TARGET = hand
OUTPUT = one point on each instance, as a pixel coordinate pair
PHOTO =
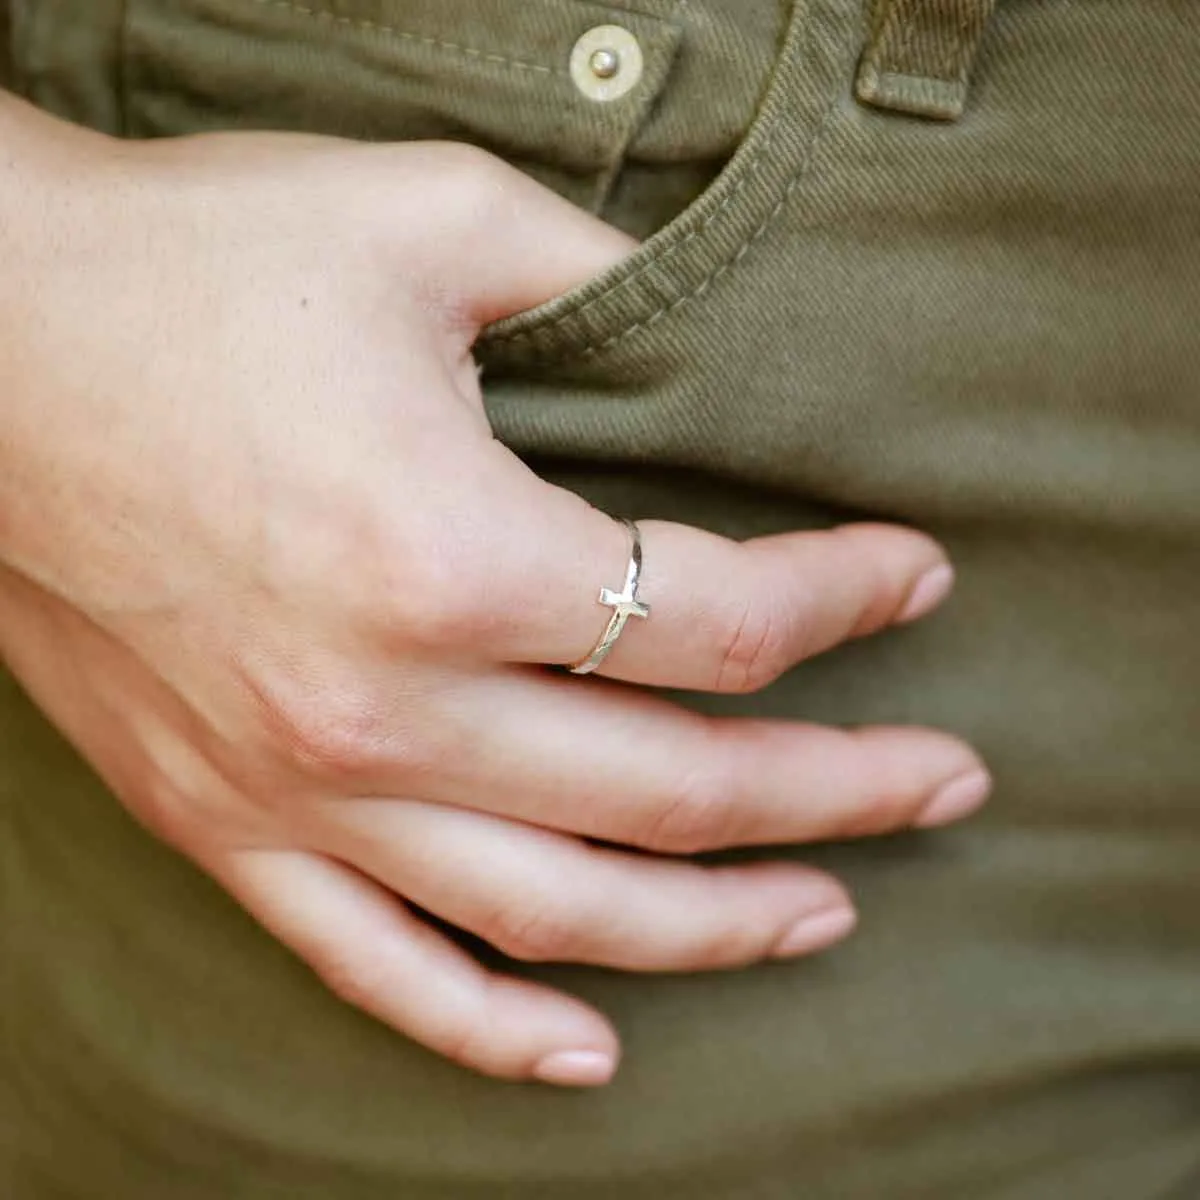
(268, 569)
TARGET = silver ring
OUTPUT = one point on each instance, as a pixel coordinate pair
(625, 604)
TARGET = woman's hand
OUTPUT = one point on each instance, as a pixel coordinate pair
(267, 568)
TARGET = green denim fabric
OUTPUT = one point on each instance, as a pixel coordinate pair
(491, 72)
(987, 328)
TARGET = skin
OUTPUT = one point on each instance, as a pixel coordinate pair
(264, 564)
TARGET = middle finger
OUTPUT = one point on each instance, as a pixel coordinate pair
(605, 761)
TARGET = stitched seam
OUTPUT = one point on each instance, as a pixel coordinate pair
(887, 79)
(603, 186)
(403, 35)
(723, 268)
(751, 170)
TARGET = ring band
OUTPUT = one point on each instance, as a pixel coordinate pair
(625, 604)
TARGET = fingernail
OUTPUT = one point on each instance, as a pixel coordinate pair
(928, 592)
(957, 799)
(576, 1068)
(816, 931)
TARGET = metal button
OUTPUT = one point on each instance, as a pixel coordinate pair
(607, 63)
(604, 63)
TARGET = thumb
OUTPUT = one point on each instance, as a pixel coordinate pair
(505, 243)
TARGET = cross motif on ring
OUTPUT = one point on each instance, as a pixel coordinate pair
(624, 604)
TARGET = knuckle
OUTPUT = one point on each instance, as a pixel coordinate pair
(473, 185)
(536, 931)
(877, 813)
(755, 651)
(878, 558)
(880, 806)
(881, 599)
(358, 980)
(462, 1042)
(334, 736)
(697, 815)
(327, 731)
(185, 818)
(736, 946)
(465, 163)
(474, 1035)
(889, 793)
(439, 619)
(459, 1032)
(161, 807)
(431, 599)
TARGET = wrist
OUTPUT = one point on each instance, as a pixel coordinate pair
(50, 194)
(48, 172)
